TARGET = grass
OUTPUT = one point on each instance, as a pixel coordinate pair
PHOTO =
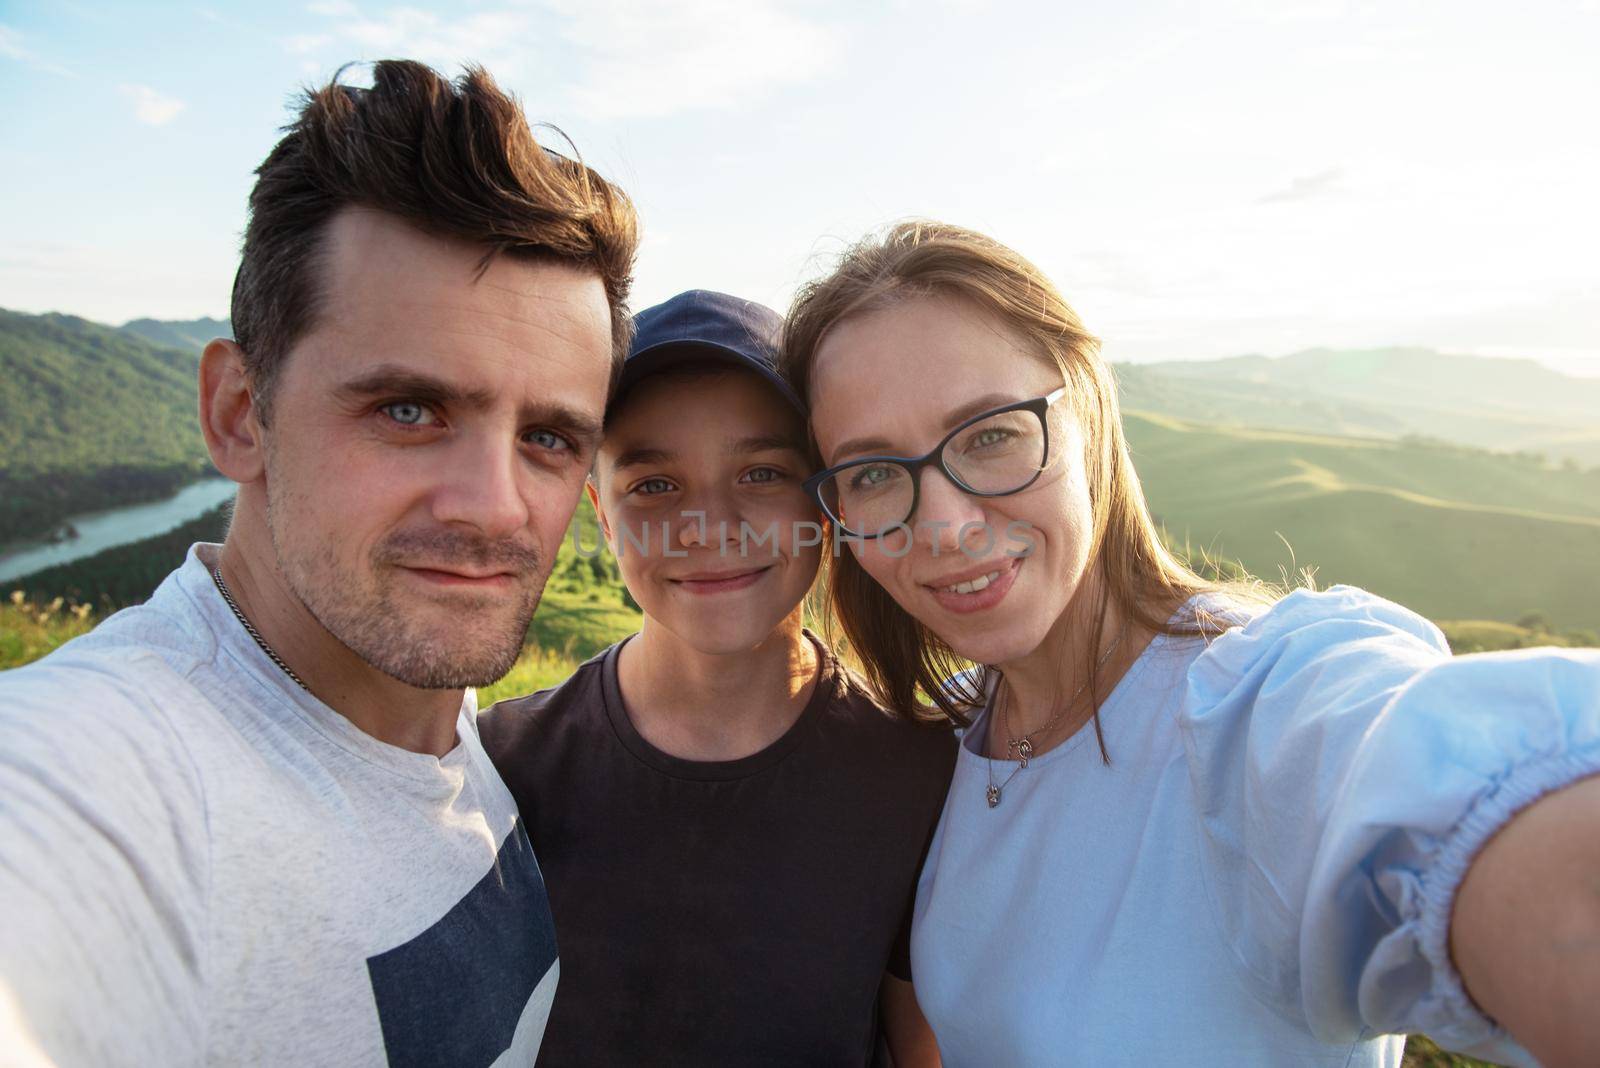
(536, 669)
(1451, 533)
(577, 623)
(1488, 636)
(29, 630)
(1421, 1052)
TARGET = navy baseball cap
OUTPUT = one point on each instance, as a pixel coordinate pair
(703, 325)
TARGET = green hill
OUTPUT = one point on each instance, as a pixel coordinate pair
(90, 418)
(179, 334)
(1502, 404)
(1453, 533)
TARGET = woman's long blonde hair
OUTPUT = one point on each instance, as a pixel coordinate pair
(906, 663)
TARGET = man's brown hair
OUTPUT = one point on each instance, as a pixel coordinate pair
(455, 159)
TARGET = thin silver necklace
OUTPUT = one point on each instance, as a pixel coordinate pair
(222, 588)
(1023, 746)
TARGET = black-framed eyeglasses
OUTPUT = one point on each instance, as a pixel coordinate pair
(993, 454)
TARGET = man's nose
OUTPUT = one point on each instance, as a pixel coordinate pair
(483, 486)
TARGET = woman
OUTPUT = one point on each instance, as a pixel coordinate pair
(1183, 827)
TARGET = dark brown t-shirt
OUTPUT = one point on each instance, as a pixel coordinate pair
(721, 913)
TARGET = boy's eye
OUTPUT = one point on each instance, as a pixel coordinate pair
(409, 413)
(651, 486)
(763, 475)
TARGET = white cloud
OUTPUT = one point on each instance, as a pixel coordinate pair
(11, 47)
(705, 54)
(500, 39)
(304, 43)
(1306, 187)
(151, 107)
(1131, 66)
(333, 9)
(630, 60)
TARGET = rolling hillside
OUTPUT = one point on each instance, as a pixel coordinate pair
(90, 418)
(1501, 404)
(1453, 533)
(179, 334)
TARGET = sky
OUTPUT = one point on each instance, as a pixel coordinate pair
(1199, 179)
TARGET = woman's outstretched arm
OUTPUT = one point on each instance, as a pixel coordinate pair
(1525, 934)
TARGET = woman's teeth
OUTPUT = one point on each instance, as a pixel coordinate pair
(973, 586)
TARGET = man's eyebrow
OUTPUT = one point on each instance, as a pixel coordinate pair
(415, 385)
(585, 430)
(388, 380)
(953, 418)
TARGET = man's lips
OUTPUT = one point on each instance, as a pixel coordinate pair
(719, 581)
(462, 578)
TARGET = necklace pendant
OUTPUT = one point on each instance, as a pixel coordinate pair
(1024, 750)
(993, 794)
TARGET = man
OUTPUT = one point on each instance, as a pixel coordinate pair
(251, 821)
(730, 829)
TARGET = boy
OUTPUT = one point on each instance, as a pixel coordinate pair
(729, 829)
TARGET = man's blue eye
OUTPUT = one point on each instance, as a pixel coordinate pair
(405, 413)
(548, 439)
(764, 474)
(651, 486)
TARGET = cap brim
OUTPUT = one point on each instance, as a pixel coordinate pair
(669, 354)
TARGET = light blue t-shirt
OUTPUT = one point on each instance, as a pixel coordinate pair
(1263, 873)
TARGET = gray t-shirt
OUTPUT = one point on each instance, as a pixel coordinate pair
(202, 863)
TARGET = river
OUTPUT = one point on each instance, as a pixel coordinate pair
(102, 530)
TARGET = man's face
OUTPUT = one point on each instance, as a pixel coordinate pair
(428, 442)
(700, 484)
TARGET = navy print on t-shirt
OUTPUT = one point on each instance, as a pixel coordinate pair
(453, 994)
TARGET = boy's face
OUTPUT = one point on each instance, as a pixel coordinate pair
(699, 492)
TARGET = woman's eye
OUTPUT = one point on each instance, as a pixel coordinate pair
(988, 437)
(869, 476)
(549, 439)
(408, 413)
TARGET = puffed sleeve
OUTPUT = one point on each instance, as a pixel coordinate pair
(1346, 771)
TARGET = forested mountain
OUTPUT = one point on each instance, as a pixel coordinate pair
(1503, 404)
(179, 334)
(90, 417)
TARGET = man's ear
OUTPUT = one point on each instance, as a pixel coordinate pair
(228, 416)
(593, 490)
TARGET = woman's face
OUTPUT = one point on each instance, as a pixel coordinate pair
(895, 382)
